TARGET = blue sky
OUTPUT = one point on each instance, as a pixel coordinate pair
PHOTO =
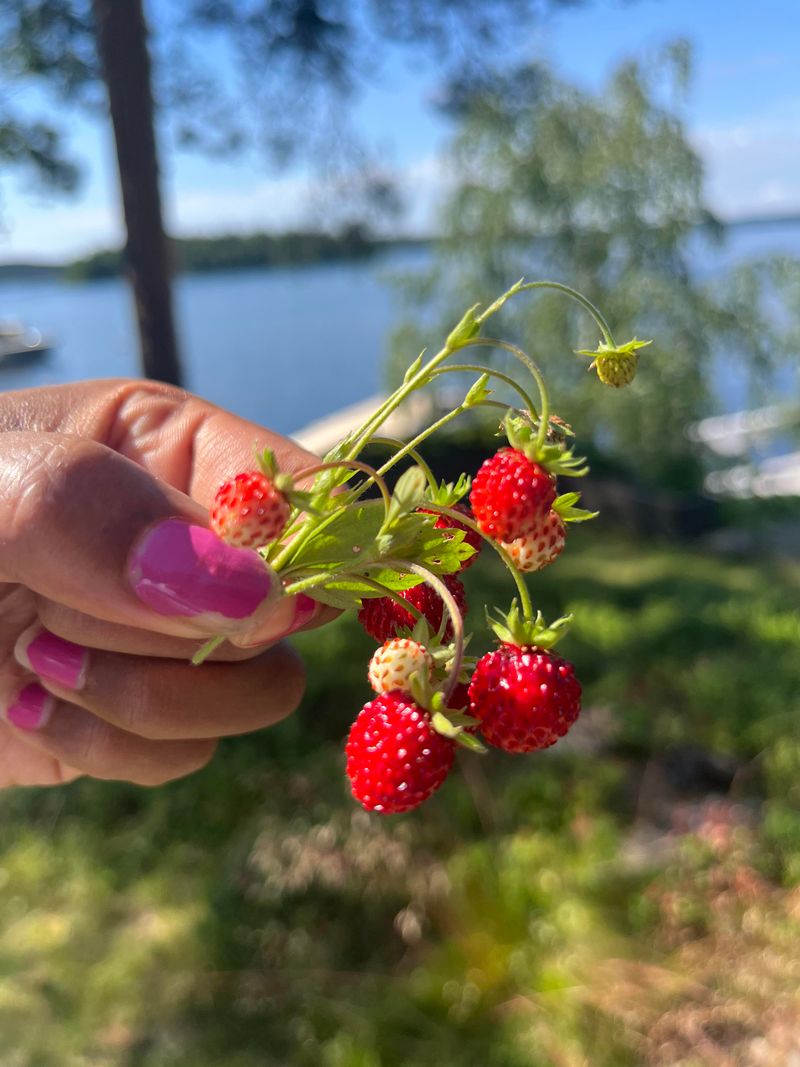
(743, 116)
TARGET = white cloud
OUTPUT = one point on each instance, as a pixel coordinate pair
(752, 165)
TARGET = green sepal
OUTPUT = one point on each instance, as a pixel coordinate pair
(605, 350)
(564, 506)
(445, 726)
(500, 301)
(413, 368)
(513, 629)
(448, 493)
(267, 464)
(554, 457)
(467, 328)
(478, 392)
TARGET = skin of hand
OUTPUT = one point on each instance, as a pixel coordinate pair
(110, 580)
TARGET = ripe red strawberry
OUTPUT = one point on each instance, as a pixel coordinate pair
(540, 546)
(526, 698)
(446, 522)
(249, 511)
(395, 661)
(395, 759)
(509, 493)
(382, 617)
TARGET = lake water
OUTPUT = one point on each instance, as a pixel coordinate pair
(282, 347)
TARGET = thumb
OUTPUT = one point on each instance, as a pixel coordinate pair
(88, 528)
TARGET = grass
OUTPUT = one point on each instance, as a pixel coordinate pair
(629, 897)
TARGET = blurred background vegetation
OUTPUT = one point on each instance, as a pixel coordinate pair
(631, 897)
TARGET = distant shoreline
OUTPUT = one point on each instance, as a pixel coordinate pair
(198, 255)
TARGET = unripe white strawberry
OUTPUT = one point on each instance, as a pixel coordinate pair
(392, 665)
(541, 546)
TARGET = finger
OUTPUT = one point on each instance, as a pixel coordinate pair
(162, 698)
(82, 741)
(81, 525)
(185, 441)
(86, 630)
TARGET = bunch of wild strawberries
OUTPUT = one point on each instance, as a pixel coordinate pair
(396, 558)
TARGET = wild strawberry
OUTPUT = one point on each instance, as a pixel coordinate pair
(446, 522)
(395, 759)
(394, 662)
(382, 617)
(249, 511)
(526, 698)
(617, 370)
(509, 494)
(540, 546)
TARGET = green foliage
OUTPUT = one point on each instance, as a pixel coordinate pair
(605, 191)
(242, 252)
(252, 916)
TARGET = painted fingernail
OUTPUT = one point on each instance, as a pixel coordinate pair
(304, 611)
(55, 659)
(31, 708)
(183, 570)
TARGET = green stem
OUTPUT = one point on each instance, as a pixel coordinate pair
(533, 368)
(478, 369)
(455, 618)
(392, 442)
(466, 520)
(211, 646)
(316, 580)
(406, 449)
(356, 465)
(585, 303)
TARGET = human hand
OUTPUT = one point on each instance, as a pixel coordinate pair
(110, 580)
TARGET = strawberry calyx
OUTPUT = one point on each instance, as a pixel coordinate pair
(564, 506)
(512, 628)
(555, 457)
(615, 364)
(448, 494)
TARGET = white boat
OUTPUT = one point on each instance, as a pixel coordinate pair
(18, 341)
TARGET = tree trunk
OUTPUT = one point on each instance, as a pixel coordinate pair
(122, 44)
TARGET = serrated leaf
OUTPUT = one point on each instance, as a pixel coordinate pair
(349, 535)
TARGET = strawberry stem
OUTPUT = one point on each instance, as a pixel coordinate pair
(355, 465)
(466, 520)
(452, 610)
(202, 654)
(585, 303)
(529, 404)
(393, 442)
(319, 579)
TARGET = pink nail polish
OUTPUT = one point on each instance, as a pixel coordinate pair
(304, 612)
(31, 709)
(57, 660)
(184, 570)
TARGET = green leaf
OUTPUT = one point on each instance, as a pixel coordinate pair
(408, 495)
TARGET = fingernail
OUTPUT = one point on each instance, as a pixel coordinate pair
(184, 570)
(304, 611)
(54, 659)
(31, 709)
(292, 614)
